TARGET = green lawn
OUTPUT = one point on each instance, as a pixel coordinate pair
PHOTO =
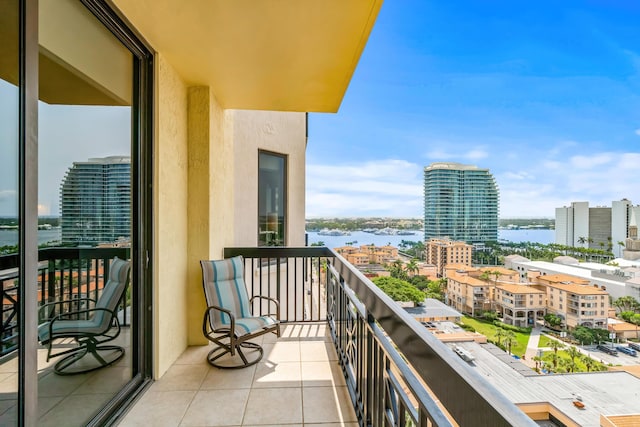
(489, 330)
(544, 341)
(580, 366)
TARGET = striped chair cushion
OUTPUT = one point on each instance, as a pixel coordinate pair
(224, 286)
(100, 321)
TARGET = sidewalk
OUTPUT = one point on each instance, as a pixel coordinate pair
(532, 347)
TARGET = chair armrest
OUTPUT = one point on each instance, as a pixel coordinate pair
(277, 313)
(207, 315)
(66, 301)
(75, 313)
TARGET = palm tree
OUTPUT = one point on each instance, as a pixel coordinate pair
(509, 340)
(538, 361)
(573, 354)
(582, 240)
(589, 363)
(555, 346)
(412, 267)
(621, 245)
(500, 333)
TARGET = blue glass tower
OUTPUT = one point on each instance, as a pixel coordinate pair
(460, 202)
(95, 199)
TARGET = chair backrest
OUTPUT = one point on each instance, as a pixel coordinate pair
(224, 287)
(112, 291)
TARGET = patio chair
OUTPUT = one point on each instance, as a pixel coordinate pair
(228, 321)
(90, 327)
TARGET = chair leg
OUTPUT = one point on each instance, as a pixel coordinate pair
(89, 346)
(218, 352)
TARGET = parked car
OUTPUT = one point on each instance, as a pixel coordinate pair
(627, 350)
(634, 346)
(607, 349)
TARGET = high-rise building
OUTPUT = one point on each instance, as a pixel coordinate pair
(460, 202)
(598, 227)
(95, 200)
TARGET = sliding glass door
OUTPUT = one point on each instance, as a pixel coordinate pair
(75, 122)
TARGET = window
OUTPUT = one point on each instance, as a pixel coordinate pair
(272, 199)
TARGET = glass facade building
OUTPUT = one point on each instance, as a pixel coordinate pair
(460, 202)
(95, 198)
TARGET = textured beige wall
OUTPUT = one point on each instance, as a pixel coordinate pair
(170, 217)
(279, 132)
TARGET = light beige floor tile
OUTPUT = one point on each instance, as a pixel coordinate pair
(159, 409)
(314, 351)
(345, 424)
(74, 410)
(283, 374)
(277, 406)
(282, 351)
(194, 355)
(106, 380)
(321, 374)
(10, 366)
(58, 385)
(181, 377)
(327, 405)
(228, 378)
(216, 408)
(273, 425)
(9, 386)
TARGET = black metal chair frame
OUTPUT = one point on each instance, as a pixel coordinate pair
(88, 342)
(229, 343)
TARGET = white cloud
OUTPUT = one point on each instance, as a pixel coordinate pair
(393, 187)
(462, 154)
(378, 188)
(637, 132)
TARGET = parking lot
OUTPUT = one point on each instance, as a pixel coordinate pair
(620, 359)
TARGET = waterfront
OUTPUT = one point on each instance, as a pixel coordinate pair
(363, 238)
(10, 237)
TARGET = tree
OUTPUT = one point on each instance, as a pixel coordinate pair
(509, 340)
(621, 245)
(573, 354)
(399, 290)
(583, 335)
(412, 267)
(538, 361)
(500, 333)
(555, 346)
(552, 320)
(627, 303)
(582, 240)
(635, 319)
(397, 270)
(589, 363)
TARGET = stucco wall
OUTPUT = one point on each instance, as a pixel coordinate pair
(170, 217)
(278, 132)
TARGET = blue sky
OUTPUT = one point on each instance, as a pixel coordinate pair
(545, 94)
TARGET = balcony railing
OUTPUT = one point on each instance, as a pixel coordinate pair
(387, 357)
(63, 274)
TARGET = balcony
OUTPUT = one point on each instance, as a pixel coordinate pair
(349, 355)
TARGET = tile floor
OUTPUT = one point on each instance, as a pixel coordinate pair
(298, 382)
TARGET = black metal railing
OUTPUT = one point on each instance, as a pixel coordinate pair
(64, 274)
(397, 373)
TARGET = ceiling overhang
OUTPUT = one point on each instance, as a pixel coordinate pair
(285, 55)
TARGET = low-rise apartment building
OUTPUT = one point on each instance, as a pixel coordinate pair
(468, 294)
(520, 305)
(575, 301)
(441, 252)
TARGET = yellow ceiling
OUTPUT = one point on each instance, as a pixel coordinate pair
(288, 55)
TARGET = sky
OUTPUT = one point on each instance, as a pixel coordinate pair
(544, 94)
